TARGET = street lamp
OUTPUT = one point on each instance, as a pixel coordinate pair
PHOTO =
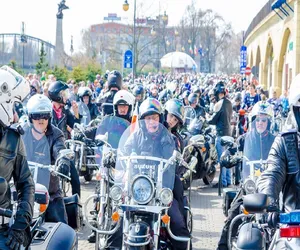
(126, 8)
(23, 43)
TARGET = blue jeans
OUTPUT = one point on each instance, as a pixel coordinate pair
(226, 173)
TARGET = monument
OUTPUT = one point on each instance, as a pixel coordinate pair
(59, 53)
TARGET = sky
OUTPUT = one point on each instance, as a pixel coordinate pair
(40, 15)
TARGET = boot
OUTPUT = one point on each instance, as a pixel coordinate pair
(92, 237)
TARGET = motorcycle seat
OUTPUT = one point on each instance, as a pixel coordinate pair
(227, 141)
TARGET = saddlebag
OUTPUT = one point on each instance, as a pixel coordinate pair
(73, 208)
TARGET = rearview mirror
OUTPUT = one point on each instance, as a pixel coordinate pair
(256, 203)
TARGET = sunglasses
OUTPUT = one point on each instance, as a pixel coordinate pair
(261, 119)
(40, 116)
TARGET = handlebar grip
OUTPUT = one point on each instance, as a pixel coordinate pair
(5, 212)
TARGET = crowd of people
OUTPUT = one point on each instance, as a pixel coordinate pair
(53, 107)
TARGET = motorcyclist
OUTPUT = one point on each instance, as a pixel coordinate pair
(262, 114)
(185, 96)
(38, 129)
(194, 102)
(85, 95)
(222, 119)
(138, 92)
(114, 84)
(282, 174)
(153, 91)
(61, 114)
(14, 88)
(159, 144)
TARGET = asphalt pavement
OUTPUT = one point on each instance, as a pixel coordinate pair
(206, 209)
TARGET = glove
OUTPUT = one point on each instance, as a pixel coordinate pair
(64, 167)
(16, 238)
(78, 136)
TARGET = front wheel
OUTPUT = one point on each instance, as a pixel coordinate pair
(209, 177)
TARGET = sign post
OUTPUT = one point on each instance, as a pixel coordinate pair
(243, 59)
(128, 60)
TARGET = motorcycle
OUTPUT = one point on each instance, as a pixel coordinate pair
(99, 215)
(142, 192)
(255, 152)
(200, 148)
(46, 235)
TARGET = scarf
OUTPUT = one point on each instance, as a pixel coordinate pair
(58, 112)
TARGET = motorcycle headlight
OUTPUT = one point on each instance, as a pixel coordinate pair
(115, 193)
(142, 189)
(166, 196)
(249, 186)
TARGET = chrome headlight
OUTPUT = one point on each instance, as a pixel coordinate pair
(115, 193)
(166, 196)
(142, 189)
(249, 186)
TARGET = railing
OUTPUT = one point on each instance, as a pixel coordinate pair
(262, 14)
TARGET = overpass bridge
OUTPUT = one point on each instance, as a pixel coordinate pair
(273, 44)
(24, 49)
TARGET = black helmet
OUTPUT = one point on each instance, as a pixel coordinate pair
(149, 107)
(55, 90)
(193, 98)
(138, 90)
(218, 89)
(114, 79)
(175, 107)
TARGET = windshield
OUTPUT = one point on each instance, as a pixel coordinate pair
(195, 126)
(190, 114)
(144, 156)
(257, 144)
(114, 127)
(85, 112)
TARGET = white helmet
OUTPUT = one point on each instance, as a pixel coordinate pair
(39, 104)
(294, 99)
(126, 98)
(13, 88)
(262, 108)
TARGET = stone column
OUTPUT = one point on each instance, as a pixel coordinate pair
(296, 35)
(261, 79)
(59, 44)
(274, 80)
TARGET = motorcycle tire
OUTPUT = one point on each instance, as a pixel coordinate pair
(208, 179)
(88, 177)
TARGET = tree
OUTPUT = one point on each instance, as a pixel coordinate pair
(42, 65)
(61, 74)
(92, 70)
(78, 74)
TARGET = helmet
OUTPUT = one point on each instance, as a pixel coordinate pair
(85, 91)
(13, 87)
(193, 98)
(138, 90)
(219, 88)
(126, 98)
(238, 97)
(114, 79)
(39, 105)
(294, 99)
(149, 107)
(55, 90)
(262, 108)
(175, 107)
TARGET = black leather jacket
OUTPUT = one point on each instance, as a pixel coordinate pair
(56, 140)
(105, 102)
(14, 164)
(67, 119)
(283, 173)
(94, 112)
(222, 117)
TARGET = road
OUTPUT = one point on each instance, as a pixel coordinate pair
(207, 212)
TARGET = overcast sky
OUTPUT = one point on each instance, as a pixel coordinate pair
(40, 15)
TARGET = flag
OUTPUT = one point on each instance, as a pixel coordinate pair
(134, 119)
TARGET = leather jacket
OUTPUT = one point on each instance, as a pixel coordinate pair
(94, 112)
(222, 117)
(56, 140)
(105, 102)
(67, 119)
(14, 164)
(282, 174)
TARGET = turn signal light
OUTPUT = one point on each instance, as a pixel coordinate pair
(245, 211)
(165, 219)
(115, 216)
(203, 149)
(43, 208)
(290, 232)
(98, 176)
